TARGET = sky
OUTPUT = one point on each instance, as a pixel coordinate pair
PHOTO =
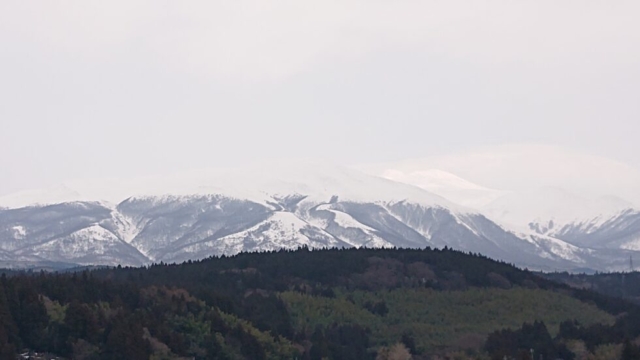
(131, 88)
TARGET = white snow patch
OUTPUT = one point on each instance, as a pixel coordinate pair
(347, 221)
(94, 240)
(282, 230)
(95, 233)
(464, 223)
(19, 232)
(126, 229)
(551, 247)
(632, 245)
(343, 219)
(280, 227)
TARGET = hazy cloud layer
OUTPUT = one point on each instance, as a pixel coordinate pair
(93, 88)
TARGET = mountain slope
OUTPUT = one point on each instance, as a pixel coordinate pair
(576, 206)
(226, 212)
(605, 222)
(446, 184)
(175, 229)
(69, 232)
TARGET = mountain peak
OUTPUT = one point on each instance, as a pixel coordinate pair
(53, 195)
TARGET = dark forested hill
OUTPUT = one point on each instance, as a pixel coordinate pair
(621, 285)
(334, 304)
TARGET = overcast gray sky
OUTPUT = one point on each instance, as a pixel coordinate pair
(128, 88)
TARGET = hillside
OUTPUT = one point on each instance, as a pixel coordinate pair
(621, 285)
(338, 304)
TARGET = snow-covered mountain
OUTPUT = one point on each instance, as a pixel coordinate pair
(446, 184)
(614, 230)
(74, 232)
(524, 167)
(54, 195)
(199, 214)
(543, 191)
(547, 210)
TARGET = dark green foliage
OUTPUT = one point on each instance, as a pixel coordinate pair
(377, 308)
(409, 341)
(630, 351)
(81, 321)
(532, 340)
(348, 342)
(9, 339)
(441, 318)
(131, 322)
(268, 313)
(124, 340)
(250, 346)
(337, 304)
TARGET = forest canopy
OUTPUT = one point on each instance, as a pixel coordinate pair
(334, 304)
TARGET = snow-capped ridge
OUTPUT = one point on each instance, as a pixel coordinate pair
(446, 184)
(196, 214)
(550, 208)
(261, 184)
(40, 197)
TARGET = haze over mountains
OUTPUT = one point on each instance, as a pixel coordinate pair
(536, 206)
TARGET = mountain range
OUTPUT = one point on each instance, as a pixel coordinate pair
(199, 214)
